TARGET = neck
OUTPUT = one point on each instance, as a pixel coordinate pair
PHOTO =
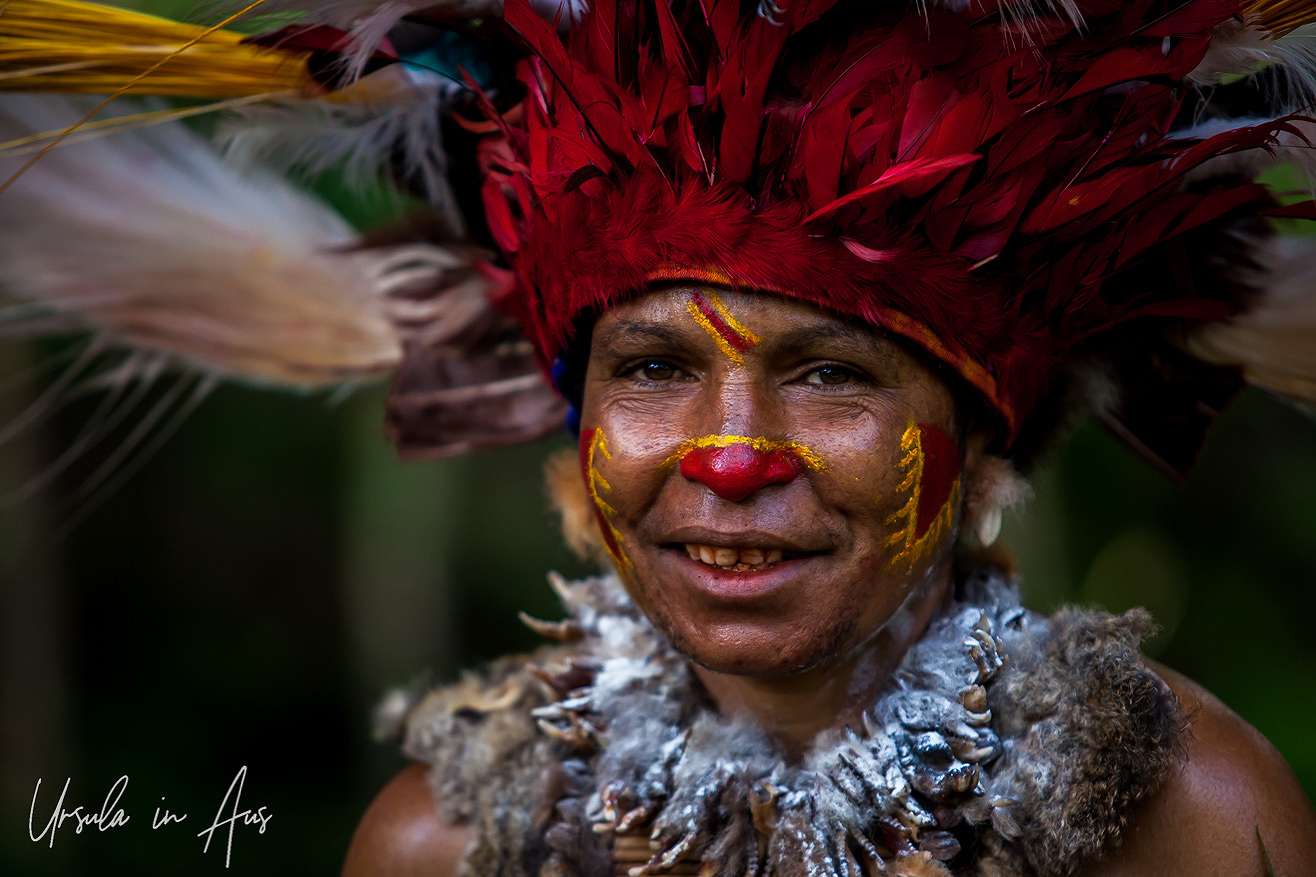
(796, 708)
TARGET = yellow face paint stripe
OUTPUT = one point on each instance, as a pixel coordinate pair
(707, 325)
(909, 548)
(806, 456)
(731, 321)
(911, 461)
(594, 482)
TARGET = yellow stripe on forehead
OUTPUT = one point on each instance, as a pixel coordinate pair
(732, 353)
(806, 455)
(732, 337)
(730, 320)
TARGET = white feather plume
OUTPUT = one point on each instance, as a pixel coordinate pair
(1274, 340)
(360, 139)
(150, 240)
(1239, 48)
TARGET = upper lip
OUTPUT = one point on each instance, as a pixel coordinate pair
(741, 539)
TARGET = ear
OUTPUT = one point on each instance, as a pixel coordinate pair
(566, 490)
(991, 485)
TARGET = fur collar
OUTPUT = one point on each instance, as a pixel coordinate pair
(1006, 744)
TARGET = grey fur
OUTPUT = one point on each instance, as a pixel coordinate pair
(1005, 745)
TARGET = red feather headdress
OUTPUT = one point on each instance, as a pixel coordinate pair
(1024, 190)
(1007, 197)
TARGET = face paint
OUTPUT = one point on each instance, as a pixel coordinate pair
(832, 588)
(730, 334)
(735, 467)
(931, 462)
(594, 444)
(805, 456)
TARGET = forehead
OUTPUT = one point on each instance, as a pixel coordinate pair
(733, 318)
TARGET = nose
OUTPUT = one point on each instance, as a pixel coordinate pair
(738, 470)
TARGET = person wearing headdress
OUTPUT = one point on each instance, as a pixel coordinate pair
(813, 283)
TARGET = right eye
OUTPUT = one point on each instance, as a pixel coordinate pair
(655, 371)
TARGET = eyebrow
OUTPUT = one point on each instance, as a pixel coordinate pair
(855, 340)
(643, 331)
(852, 338)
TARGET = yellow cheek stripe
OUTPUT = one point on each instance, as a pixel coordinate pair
(595, 481)
(806, 456)
(905, 547)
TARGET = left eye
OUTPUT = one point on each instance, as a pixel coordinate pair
(832, 375)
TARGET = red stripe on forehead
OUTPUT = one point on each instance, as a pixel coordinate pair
(729, 335)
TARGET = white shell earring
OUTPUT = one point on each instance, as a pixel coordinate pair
(988, 527)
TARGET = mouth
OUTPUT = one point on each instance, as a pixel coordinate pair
(733, 566)
(736, 559)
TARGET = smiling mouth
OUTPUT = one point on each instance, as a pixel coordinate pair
(737, 559)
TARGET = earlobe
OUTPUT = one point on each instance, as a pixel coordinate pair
(991, 486)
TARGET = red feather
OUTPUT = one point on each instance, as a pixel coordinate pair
(943, 179)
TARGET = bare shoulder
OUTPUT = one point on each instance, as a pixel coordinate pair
(1233, 808)
(403, 835)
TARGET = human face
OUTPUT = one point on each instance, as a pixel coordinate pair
(773, 482)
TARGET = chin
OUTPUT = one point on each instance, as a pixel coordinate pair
(761, 651)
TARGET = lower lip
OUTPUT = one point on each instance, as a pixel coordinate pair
(730, 584)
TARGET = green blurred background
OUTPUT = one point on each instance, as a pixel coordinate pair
(246, 598)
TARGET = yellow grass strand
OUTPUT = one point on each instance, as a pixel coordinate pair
(71, 46)
(203, 34)
(1280, 17)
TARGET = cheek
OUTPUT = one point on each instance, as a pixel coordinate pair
(928, 493)
(940, 481)
(594, 454)
(623, 469)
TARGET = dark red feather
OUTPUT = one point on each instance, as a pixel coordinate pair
(1001, 201)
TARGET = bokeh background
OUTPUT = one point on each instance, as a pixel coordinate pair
(249, 593)
(247, 597)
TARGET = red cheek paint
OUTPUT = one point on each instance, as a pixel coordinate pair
(593, 442)
(586, 442)
(736, 471)
(941, 469)
(931, 465)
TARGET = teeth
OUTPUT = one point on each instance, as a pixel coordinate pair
(738, 558)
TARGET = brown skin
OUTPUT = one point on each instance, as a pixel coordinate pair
(1207, 818)
(800, 644)
(403, 835)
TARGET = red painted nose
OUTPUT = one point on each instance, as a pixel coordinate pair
(736, 471)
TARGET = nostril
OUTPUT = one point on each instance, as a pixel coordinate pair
(737, 471)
